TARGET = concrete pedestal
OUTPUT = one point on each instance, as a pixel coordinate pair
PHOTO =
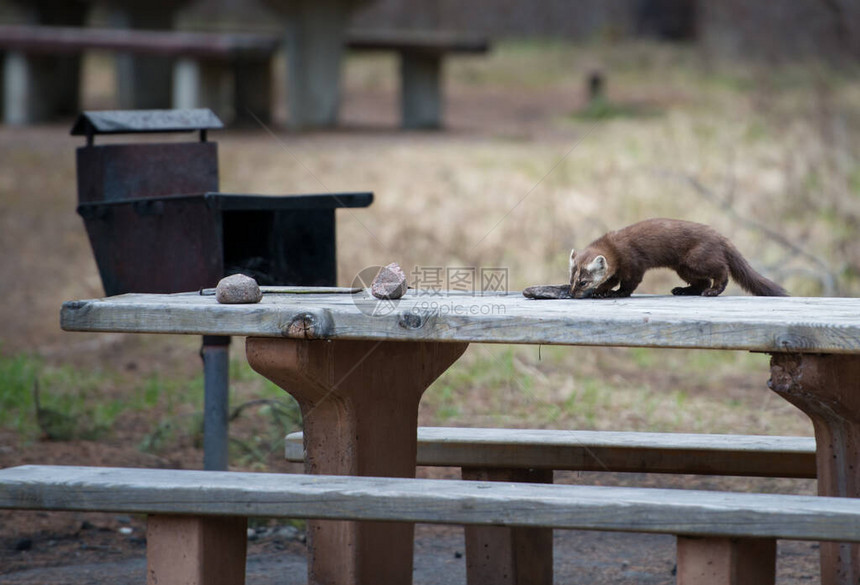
(38, 88)
(827, 389)
(500, 555)
(144, 81)
(195, 550)
(314, 39)
(421, 92)
(359, 402)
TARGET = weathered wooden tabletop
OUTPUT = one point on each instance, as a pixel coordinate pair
(769, 324)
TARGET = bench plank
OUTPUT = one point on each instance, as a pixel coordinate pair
(428, 42)
(59, 39)
(634, 452)
(680, 512)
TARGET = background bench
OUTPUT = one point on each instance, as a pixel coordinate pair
(203, 65)
(197, 520)
(227, 72)
(421, 57)
(525, 455)
(705, 454)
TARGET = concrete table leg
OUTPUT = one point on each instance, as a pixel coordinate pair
(39, 87)
(202, 84)
(253, 92)
(20, 85)
(726, 561)
(496, 555)
(315, 35)
(421, 90)
(359, 402)
(144, 81)
(827, 389)
(195, 550)
(187, 84)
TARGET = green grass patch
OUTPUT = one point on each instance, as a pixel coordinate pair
(605, 109)
(68, 405)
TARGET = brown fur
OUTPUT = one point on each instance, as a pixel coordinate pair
(700, 256)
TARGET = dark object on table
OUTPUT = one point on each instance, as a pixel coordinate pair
(548, 291)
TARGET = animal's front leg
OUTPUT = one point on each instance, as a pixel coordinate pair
(627, 287)
(604, 291)
(615, 294)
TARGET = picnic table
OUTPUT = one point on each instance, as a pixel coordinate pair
(358, 368)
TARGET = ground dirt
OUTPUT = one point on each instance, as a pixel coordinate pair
(512, 138)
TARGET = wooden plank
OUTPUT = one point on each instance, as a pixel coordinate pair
(416, 41)
(681, 512)
(705, 454)
(768, 324)
(58, 39)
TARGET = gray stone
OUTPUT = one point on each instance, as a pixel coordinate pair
(390, 283)
(238, 289)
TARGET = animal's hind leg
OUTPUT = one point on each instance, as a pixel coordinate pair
(702, 266)
(698, 283)
(717, 272)
(720, 283)
(695, 289)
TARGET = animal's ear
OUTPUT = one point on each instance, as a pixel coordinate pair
(572, 261)
(598, 267)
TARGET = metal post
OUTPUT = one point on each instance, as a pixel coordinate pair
(216, 399)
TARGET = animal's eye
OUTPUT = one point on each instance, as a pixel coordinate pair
(583, 282)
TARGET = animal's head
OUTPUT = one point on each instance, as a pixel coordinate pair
(587, 271)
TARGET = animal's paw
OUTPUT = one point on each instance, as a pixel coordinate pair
(710, 292)
(686, 291)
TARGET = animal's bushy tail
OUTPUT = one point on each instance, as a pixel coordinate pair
(750, 280)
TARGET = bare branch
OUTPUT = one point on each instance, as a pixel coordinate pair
(826, 276)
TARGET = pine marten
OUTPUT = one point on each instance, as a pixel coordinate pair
(700, 256)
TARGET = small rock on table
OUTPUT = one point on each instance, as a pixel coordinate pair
(238, 289)
(390, 283)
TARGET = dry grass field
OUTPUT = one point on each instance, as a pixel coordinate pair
(525, 171)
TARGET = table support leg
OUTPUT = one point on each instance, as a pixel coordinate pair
(359, 402)
(314, 40)
(196, 550)
(726, 561)
(497, 554)
(827, 389)
(421, 91)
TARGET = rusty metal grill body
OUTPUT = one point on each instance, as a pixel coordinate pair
(157, 223)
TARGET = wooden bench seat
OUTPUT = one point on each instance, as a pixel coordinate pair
(635, 452)
(421, 57)
(526, 455)
(197, 518)
(203, 66)
(206, 63)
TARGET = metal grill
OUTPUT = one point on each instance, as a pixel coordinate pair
(157, 223)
